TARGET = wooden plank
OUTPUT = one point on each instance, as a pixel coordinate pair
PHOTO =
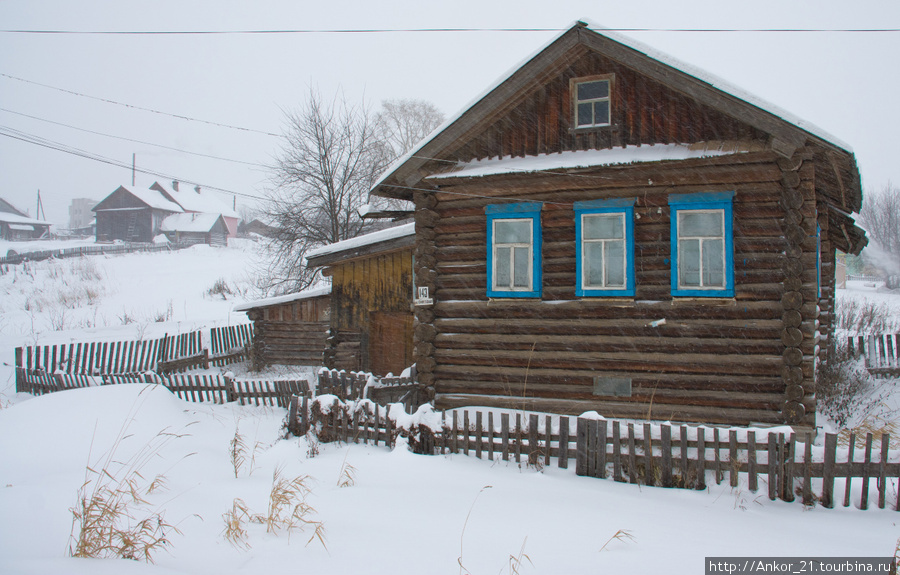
(548, 433)
(683, 448)
(534, 450)
(632, 455)
(601, 448)
(490, 436)
(478, 434)
(666, 452)
(616, 451)
(882, 469)
(701, 458)
(751, 462)
(772, 466)
(563, 457)
(504, 438)
(828, 470)
(378, 427)
(807, 471)
(734, 463)
(649, 474)
(466, 432)
(849, 480)
(718, 460)
(518, 438)
(864, 496)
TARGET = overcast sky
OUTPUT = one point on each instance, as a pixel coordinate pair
(846, 83)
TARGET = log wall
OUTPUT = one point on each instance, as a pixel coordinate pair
(290, 333)
(741, 360)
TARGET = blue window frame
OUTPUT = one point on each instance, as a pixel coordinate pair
(514, 250)
(604, 240)
(702, 245)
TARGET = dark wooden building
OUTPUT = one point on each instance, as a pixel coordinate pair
(132, 214)
(17, 225)
(289, 330)
(606, 231)
(371, 301)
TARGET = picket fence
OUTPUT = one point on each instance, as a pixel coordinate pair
(882, 353)
(194, 388)
(660, 455)
(167, 354)
(383, 390)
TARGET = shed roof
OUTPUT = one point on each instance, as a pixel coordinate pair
(9, 218)
(152, 198)
(368, 244)
(277, 300)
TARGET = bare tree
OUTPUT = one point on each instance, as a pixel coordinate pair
(330, 159)
(404, 123)
(880, 216)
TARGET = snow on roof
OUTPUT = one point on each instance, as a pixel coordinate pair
(191, 222)
(658, 55)
(152, 198)
(368, 239)
(193, 201)
(308, 294)
(580, 159)
(9, 218)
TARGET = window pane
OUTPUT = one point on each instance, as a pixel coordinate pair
(501, 267)
(689, 263)
(593, 264)
(512, 231)
(585, 116)
(593, 90)
(702, 224)
(615, 264)
(603, 227)
(601, 112)
(713, 263)
(521, 267)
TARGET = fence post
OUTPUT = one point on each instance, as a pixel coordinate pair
(580, 446)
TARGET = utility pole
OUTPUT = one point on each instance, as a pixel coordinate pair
(39, 210)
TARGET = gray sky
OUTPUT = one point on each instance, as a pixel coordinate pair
(845, 83)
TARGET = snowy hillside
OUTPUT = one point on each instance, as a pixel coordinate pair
(383, 511)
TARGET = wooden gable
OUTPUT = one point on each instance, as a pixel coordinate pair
(121, 198)
(530, 113)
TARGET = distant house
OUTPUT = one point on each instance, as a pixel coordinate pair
(132, 214)
(257, 226)
(371, 318)
(17, 225)
(609, 229)
(80, 214)
(195, 200)
(194, 228)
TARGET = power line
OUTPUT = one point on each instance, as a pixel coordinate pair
(50, 144)
(425, 30)
(134, 140)
(108, 101)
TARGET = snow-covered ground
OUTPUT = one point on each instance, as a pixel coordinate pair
(398, 513)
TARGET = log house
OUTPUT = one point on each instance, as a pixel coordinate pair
(609, 229)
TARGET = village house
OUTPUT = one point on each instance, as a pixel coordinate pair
(17, 225)
(609, 229)
(133, 214)
(197, 201)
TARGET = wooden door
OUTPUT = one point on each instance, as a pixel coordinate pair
(390, 342)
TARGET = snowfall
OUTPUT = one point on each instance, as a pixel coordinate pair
(383, 510)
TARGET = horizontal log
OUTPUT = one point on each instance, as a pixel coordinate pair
(621, 325)
(679, 309)
(658, 411)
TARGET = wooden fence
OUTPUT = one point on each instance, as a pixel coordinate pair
(642, 453)
(882, 353)
(383, 390)
(195, 388)
(35, 256)
(163, 355)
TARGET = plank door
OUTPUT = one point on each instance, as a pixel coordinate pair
(390, 342)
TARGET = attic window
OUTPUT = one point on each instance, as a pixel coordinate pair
(592, 101)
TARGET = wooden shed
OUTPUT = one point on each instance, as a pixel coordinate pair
(132, 214)
(609, 229)
(290, 329)
(371, 300)
(196, 228)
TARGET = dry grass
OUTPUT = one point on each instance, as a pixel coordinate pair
(112, 517)
(620, 535)
(287, 511)
(240, 454)
(865, 317)
(877, 426)
(347, 476)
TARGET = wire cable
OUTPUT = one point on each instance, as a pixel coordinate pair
(134, 107)
(427, 30)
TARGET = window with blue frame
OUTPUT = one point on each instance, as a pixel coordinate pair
(702, 246)
(604, 232)
(514, 250)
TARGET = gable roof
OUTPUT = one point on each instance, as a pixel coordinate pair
(382, 241)
(151, 198)
(194, 201)
(784, 132)
(8, 208)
